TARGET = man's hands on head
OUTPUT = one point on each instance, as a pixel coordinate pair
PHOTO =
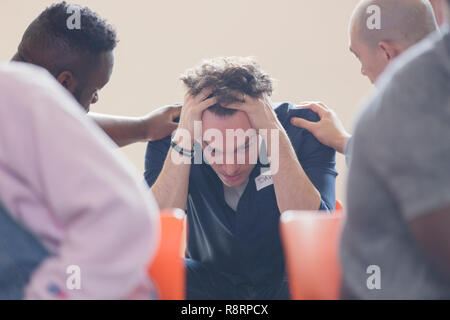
(260, 112)
(192, 111)
(287, 172)
(329, 130)
(171, 187)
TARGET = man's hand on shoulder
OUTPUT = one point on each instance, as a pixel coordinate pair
(329, 130)
(160, 122)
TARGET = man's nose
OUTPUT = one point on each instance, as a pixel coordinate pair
(363, 72)
(94, 98)
(230, 169)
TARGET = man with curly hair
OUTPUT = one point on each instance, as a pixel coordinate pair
(233, 207)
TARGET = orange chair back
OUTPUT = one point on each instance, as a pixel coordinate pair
(339, 206)
(168, 269)
(310, 242)
(184, 238)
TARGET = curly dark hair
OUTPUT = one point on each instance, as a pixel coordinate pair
(50, 43)
(95, 34)
(228, 76)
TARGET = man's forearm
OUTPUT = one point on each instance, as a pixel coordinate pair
(341, 143)
(122, 130)
(290, 178)
(171, 188)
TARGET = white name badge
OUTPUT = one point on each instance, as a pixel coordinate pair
(263, 180)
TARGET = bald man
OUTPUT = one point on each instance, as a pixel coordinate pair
(403, 24)
(396, 240)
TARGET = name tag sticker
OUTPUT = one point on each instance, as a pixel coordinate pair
(263, 180)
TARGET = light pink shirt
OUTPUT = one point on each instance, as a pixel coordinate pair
(62, 179)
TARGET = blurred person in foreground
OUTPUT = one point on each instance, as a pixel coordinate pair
(396, 240)
(67, 201)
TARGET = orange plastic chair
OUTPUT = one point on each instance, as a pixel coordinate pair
(339, 206)
(184, 238)
(310, 242)
(168, 270)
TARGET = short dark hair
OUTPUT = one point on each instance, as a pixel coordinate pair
(227, 76)
(60, 48)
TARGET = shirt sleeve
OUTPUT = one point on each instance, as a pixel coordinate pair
(108, 219)
(348, 152)
(317, 160)
(413, 144)
(154, 159)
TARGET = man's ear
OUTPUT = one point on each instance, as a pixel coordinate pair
(68, 81)
(389, 50)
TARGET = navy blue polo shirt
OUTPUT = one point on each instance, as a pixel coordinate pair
(246, 244)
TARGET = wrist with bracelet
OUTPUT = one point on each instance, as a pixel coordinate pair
(184, 152)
